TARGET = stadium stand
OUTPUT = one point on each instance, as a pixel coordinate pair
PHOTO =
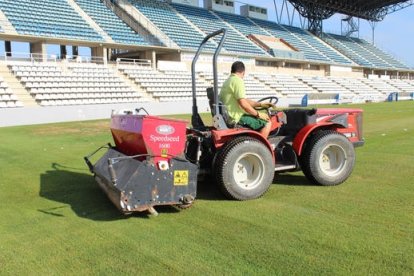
(382, 86)
(50, 18)
(149, 67)
(70, 83)
(303, 39)
(169, 21)
(402, 85)
(241, 23)
(361, 91)
(186, 26)
(285, 85)
(67, 82)
(378, 53)
(164, 86)
(279, 31)
(117, 29)
(319, 45)
(255, 89)
(56, 84)
(328, 86)
(7, 98)
(362, 52)
(208, 22)
(346, 46)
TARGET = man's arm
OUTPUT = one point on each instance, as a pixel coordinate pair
(253, 103)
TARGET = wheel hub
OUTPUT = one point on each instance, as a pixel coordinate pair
(248, 171)
(332, 160)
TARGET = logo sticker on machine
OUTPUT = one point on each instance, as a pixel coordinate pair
(165, 130)
(180, 178)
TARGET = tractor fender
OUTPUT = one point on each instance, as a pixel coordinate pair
(220, 137)
(304, 133)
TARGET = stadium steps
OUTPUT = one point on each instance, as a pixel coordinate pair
(17, 87)
(90, 21)
(6, 25)
(133, 24)
(131, 83)
(132, 12)
(229, 26)
(266, 84)
(313, 47)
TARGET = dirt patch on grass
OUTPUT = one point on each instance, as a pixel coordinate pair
(84, 128)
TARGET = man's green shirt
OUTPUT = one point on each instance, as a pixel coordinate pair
(232, 91)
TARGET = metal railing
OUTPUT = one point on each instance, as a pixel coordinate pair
(20, 56)
(10, 57)
(133, 62)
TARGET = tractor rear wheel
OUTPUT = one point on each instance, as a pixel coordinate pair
(328, 158)
(244, 168)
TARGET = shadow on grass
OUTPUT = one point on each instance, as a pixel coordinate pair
(79, 190)
(292, 180)
(207, 189)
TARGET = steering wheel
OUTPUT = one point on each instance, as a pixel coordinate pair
(271, 99)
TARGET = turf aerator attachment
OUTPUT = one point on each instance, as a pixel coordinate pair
(147, 167)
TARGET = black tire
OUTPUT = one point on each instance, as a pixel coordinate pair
(256, 168)
(328, 158)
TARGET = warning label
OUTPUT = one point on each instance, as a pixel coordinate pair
(164, 152)
(180, 178)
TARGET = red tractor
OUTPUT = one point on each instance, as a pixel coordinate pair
(157, 161)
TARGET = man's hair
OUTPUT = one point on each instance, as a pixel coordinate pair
(238, 67)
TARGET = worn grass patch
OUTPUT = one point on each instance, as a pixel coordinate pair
(81, 128)
(56, 220)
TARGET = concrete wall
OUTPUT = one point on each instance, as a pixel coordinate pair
(43, 115)
(39, 50)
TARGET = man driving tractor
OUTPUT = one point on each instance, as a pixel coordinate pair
(240, 109)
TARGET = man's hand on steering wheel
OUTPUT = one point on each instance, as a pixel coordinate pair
(267, 105)
(268, 102)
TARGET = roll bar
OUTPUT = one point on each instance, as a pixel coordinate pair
(196, 119)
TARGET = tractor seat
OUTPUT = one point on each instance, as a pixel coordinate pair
(222, 108)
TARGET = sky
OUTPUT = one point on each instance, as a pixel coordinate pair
(394, 35)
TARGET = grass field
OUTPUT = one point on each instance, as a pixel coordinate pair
(54, 219)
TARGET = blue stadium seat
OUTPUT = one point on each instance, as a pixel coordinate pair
(293, 39)
(50, 18)
(301, 39)
(318, 45)
(208, 22)
(362, 52)
(118, 30)
(169, 21)
(377, 52)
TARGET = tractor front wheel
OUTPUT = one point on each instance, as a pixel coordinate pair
(244, 168)
(328, 158)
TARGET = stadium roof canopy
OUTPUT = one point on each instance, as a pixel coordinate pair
(373, 10)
